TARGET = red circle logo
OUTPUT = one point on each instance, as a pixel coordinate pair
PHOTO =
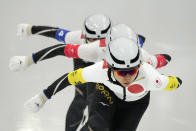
(135, 88)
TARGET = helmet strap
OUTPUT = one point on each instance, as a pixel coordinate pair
(116, 82)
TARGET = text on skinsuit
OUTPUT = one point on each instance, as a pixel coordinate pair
(105, 92)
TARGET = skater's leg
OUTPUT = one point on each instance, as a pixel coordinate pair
(76, 109)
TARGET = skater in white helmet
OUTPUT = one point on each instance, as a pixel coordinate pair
(121, 100)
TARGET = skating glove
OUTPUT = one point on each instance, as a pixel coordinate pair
(24, 30)
(18, 63)
(36, 103)
(174, 82)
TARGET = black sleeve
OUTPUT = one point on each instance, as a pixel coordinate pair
(49, 52)
(44, 30)
(57, 86)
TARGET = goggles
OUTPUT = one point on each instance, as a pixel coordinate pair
(93, 39)
(126, 72)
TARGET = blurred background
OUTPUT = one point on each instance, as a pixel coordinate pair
(168, 25)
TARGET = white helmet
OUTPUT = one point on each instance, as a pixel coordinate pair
(96, 26)
(122, 54)
(122, 30)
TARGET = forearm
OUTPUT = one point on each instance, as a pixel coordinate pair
(37, 102)
(57, 86)
(69, 50)
(49, 52)
(44, 30)
(72, 78)
(52, 32)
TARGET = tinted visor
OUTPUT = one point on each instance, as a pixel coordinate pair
(126, 72)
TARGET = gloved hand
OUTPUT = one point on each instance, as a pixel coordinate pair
(24, 30)
(18, 63)
(36, 103)
(174, 82)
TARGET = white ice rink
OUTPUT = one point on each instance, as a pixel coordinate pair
(169, 26)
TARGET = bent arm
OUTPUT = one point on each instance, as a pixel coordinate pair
(93, 73)
(18, 63)
(86, 52)
(72, 78)
(157, 81)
